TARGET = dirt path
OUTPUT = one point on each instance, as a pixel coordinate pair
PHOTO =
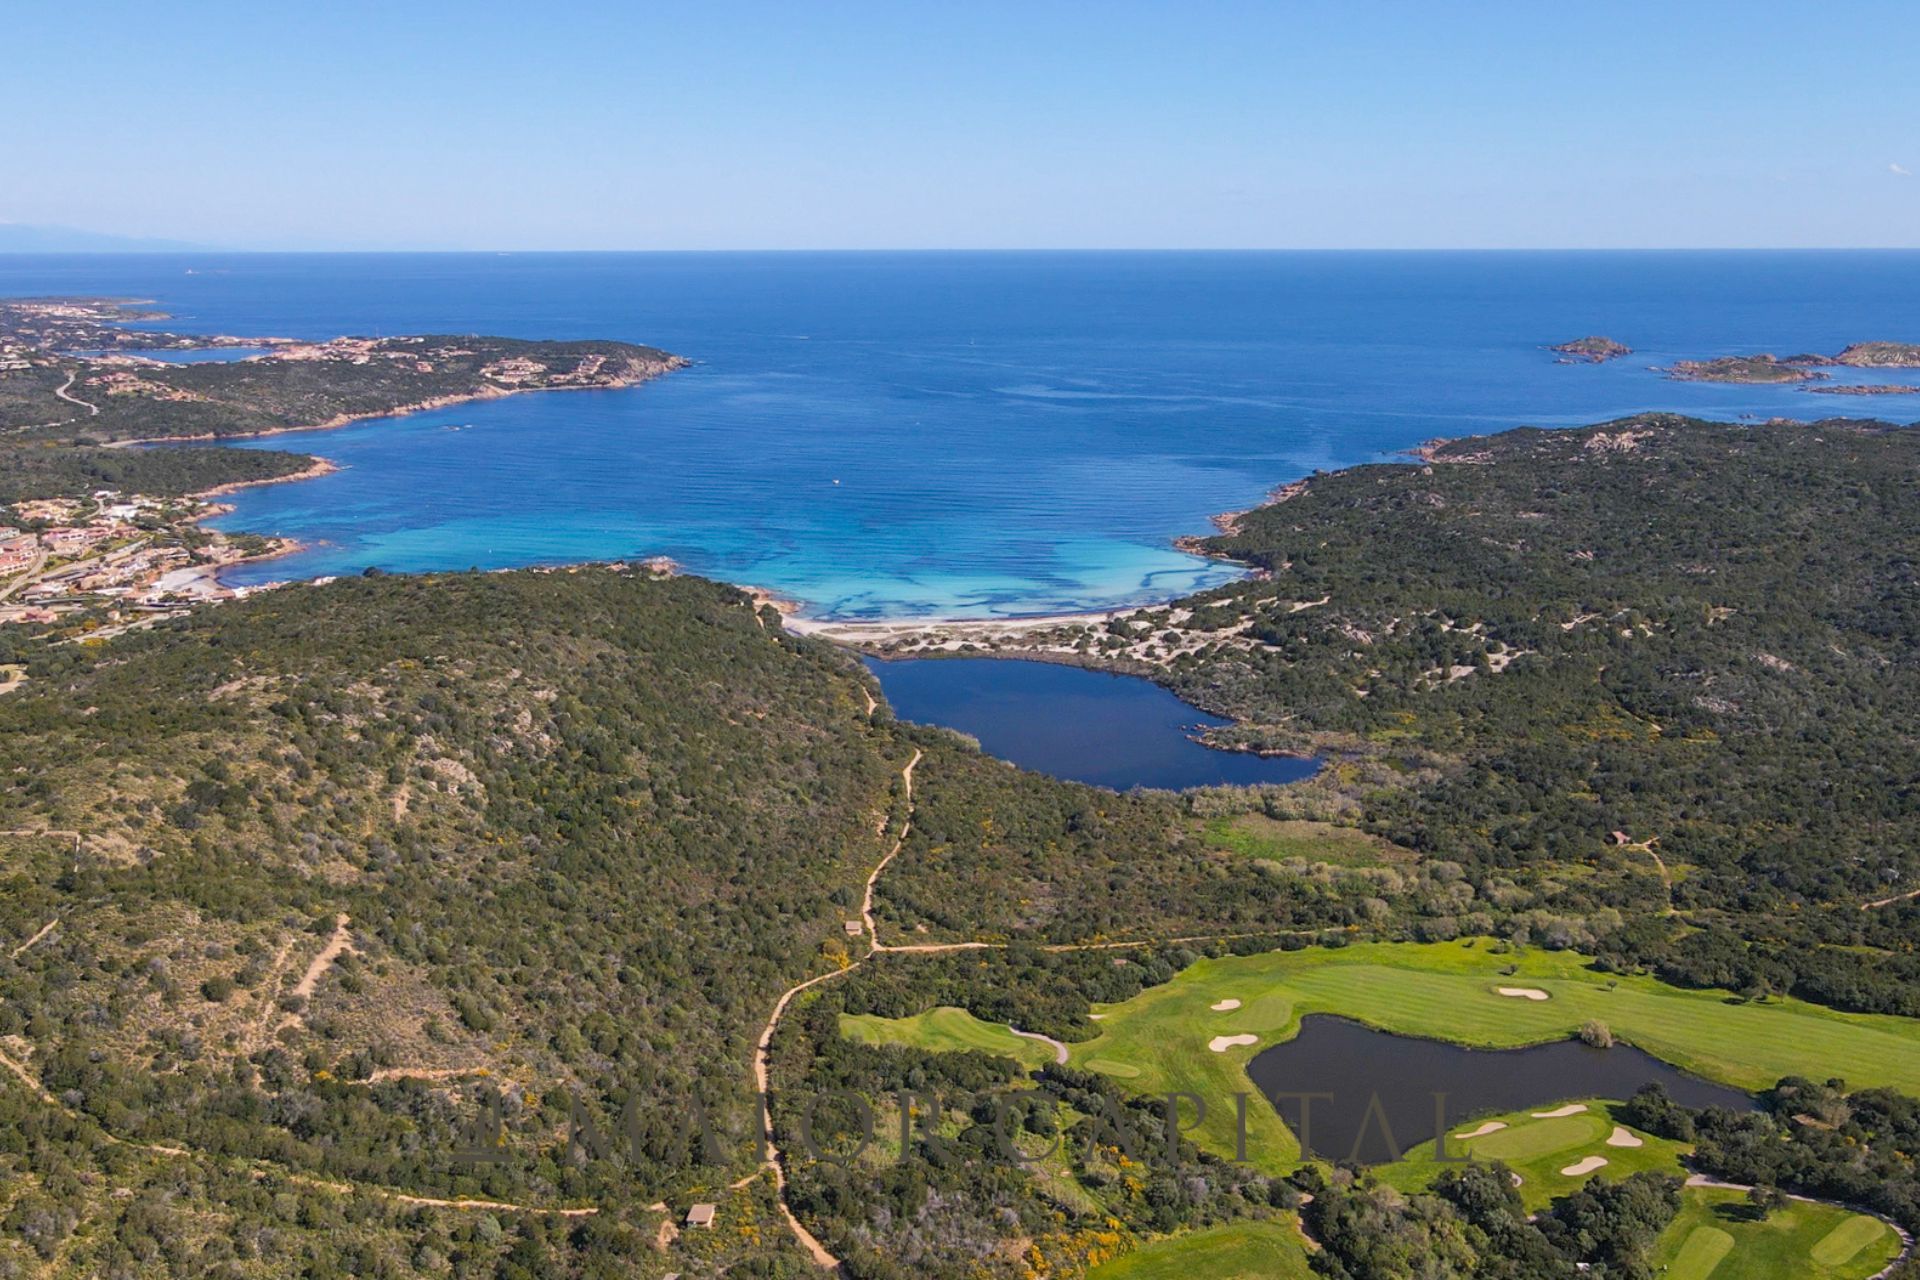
(426, 1073)
(1666, 877)
(1059, 1050)
(434, 1202)
(770, 1151)
(866, 902)
(262, 1170)
(269, 997)
(28, 1079)
(1877, 903)
(340, 942)
(19, 832)
(45, 929)
(771, 1159)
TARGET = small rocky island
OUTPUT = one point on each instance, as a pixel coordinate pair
(1867, 389)
(1758, 369)
(1880, 355)
(1765, 368)
(1592, 349)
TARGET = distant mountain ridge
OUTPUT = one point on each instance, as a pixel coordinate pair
(21, 237)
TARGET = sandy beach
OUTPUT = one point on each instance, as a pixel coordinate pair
(956, 631)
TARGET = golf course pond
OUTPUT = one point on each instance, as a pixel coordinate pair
(1086, 726)
(1373, 1094)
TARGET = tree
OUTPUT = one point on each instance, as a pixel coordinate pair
(1765, 1200)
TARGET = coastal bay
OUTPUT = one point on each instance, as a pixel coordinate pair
(1012, 434)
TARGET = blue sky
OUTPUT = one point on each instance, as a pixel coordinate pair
(478, 125)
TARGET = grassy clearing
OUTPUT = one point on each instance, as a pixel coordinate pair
(1717, 1236)
(1447, 991)
(1157, 1041)
(946, 1030)
(1538, 1150)
(1255, 835)
(1237, 1251)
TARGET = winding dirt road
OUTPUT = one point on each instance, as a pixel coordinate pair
(866, 902)
(62, 389)
(771, 1158)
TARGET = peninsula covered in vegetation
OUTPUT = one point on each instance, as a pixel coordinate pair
(75, 381)
(100, 532)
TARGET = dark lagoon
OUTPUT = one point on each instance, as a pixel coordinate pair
(1087, 726)
(1355, 1063)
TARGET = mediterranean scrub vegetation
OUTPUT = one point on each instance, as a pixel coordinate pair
(1682, 654)
(327, 907)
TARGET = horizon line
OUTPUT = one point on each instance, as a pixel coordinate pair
(136, 252)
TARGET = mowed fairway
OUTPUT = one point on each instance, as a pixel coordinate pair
(945, 1030)
(1448, 991)
(1237, 1251)
(1538, 1149)
(1716, 1237)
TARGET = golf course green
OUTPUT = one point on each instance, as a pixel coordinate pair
(1236, 1251)
(1539, 1149)
(1718, 1236)
(946, 1030)
(1197, 1032)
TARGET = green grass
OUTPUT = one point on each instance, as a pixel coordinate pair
(1446, 991)
(1848, 1240)
(945, 1030)
(1255, 835)
(1527, 1137)
(1537, 1150)
(1237, 1251)
(1717, 1236)
(1157, 1041)
(1700, 1253)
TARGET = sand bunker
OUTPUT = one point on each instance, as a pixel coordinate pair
(1571, 1109)
(1491, 1126)
(1221, 1006)
(1586, 1166)
(1524, 993)
(1623, 1137)
(1220, 1044)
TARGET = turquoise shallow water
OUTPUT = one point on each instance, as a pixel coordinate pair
(969, 434)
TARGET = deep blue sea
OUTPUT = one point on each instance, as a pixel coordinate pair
(972, 433)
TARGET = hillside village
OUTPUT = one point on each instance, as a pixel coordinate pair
(111, 561)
